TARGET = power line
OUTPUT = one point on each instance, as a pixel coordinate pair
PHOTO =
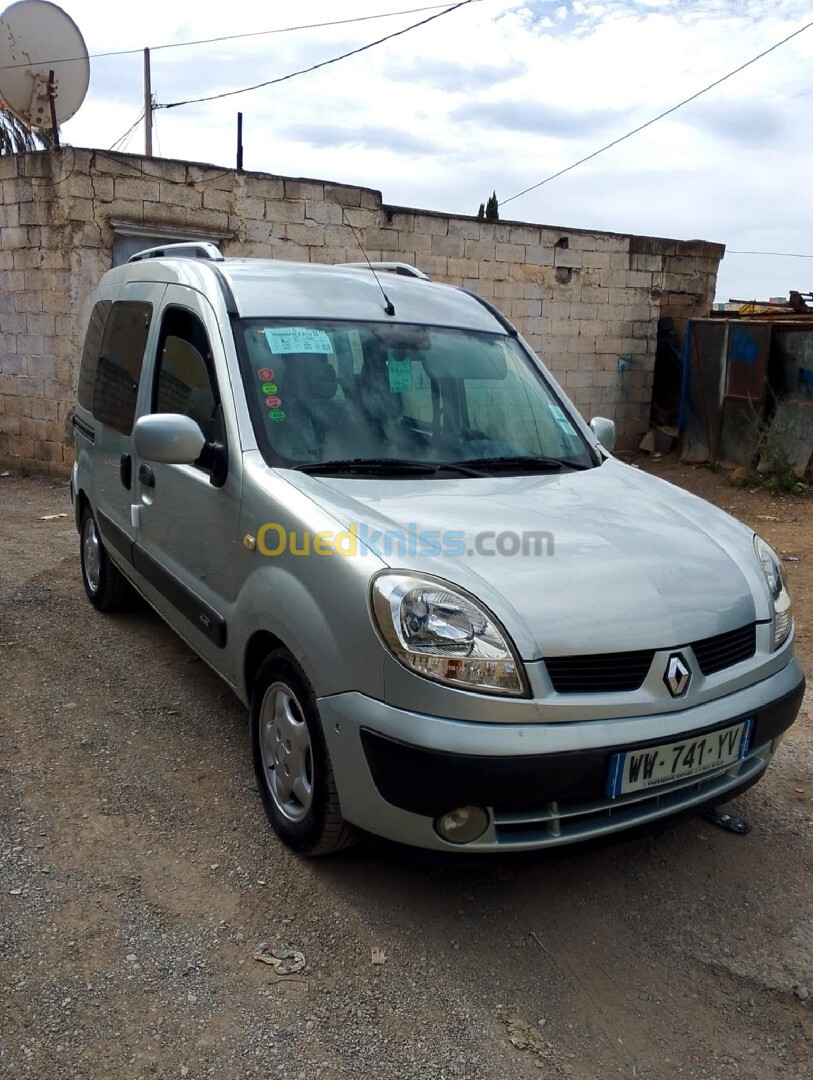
(324, 63)
(120, 159)
(121, 142)
(781, 254)
(233, 37)
(660, 116)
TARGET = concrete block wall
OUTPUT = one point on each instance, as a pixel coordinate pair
(587, 302)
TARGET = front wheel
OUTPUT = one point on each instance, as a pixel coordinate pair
(104, 584)
(291, 761)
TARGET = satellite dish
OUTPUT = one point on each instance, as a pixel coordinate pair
(36, 38)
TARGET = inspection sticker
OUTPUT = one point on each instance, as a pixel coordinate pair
(400, 372)
(269, 388)
(276, 415)
(297, 339)
(265, 373)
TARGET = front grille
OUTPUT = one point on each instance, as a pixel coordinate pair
(618, 672)
(607, 672)
(716, 653)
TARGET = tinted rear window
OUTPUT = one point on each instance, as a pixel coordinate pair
(118, 369)
(90, 353)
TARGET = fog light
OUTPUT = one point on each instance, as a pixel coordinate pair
(463, 825)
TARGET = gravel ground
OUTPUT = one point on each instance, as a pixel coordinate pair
(137, 876)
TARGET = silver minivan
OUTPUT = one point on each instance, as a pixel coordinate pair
(457, 620)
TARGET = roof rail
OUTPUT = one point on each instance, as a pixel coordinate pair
(402, 269)
(193, 249)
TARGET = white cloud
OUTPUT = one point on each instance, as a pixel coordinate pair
(498, 95)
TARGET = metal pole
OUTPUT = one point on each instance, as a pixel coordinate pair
(52, 99)
(239, 141)
(147, 105)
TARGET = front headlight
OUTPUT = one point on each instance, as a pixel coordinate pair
(777, 579)
(442, 633)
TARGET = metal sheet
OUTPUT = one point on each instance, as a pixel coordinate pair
(704, 389)
(791, 368)
(749, 345)
(792, 424)
(727, 389)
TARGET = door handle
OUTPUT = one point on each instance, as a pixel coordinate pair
(126, 470)
(146, 476)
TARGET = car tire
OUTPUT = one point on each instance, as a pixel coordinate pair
(291, 761)
(106, 587)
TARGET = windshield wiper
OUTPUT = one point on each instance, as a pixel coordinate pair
(386, 467)
(522, 462)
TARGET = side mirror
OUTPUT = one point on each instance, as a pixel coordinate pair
(604, 431)
(168, 438)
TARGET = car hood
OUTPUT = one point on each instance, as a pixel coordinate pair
(627, 561)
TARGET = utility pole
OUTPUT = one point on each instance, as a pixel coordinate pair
(147, 105)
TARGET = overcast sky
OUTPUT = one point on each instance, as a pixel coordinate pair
(496, 96)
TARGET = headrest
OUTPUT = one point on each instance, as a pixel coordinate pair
(308, 375)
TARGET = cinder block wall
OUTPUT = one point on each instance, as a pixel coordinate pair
(587, 302)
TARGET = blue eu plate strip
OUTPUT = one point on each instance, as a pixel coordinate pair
(616, 774)
(745, 741)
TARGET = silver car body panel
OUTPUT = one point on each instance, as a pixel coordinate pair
(661, 572)
(641, 606)
(636, 563)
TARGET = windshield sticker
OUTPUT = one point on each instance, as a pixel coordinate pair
(273, 402)
(276, 415)
(265, 374)
(298, 339)
(269, 388)
(400, 372)
(562, 420)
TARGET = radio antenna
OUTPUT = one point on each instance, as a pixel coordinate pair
(389, 307)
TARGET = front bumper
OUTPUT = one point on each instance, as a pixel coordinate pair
(542, 784)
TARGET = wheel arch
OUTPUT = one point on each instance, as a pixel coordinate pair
(259, 646)
(79, 503)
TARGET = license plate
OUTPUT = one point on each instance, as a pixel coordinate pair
(638, 770)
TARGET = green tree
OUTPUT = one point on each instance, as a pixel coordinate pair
(17, 137)
(492, 208)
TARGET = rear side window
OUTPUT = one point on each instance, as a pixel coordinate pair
(90, 353)
(118, 370)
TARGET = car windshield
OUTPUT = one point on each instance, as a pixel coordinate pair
(339, 395)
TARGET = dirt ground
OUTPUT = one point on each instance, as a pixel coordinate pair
(137, 875)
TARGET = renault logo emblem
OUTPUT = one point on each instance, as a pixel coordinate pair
(677, 675)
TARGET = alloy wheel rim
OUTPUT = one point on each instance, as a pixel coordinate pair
(91, 555)
(287, 754)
